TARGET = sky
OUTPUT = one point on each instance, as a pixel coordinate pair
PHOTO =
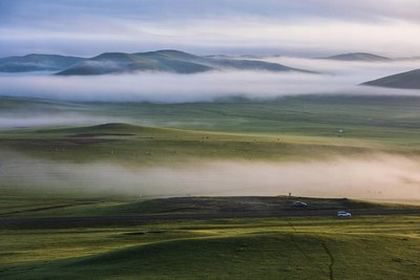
(285, 27)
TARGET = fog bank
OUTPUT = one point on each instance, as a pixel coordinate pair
(336, 78)
(31, 119)
(373, 177)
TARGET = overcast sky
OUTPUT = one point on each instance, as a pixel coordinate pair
(290, 27)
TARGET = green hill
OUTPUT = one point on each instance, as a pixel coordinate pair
(373, 248)
(360, 56)
(406, 80)
(172, 61)
(37, 62)
(167, 61)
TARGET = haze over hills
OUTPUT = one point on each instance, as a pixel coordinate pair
(37, 62)
(117, 62)
(166, 61)
(405, 80)
(359, 56)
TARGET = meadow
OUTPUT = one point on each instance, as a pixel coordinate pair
(270, 248)
(284, 128)
(186, 239)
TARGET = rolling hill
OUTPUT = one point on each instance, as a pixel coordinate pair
(358, 57)
(172, 61)
(406, 80)
(166, 61)
(37, 62)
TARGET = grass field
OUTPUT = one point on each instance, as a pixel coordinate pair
(288, 127)
(187, 238)
(68, 205)
(145, 145)
(288, 248)
(378, 118)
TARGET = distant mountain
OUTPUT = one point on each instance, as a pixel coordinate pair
(37, 62)
(116, 62)
(406, 80)
(358, 57)
(167, 61)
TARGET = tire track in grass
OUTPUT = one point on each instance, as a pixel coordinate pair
(332, 260)
(300, 249)
(292, 236)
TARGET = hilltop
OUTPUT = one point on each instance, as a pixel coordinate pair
(37, 62)
(359, 56)
(405, 80)
(173, 61)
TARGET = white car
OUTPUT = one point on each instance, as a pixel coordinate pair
(343, 214)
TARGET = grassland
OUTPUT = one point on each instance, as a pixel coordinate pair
(269, 247)
(378, 118)
(281, 129)
(288, 248)
(222, 206)
(180, 246)
(145, 145)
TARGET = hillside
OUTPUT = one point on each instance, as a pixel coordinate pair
(406, 80)
(166, 61)
(37, 62)
(292, 248)
(358, 57)
(172, 61)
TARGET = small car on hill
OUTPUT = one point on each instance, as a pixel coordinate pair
(300, 204)
(343, 214)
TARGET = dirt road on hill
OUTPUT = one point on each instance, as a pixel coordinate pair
(132, 220)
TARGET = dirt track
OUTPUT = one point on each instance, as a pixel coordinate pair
(131, 220)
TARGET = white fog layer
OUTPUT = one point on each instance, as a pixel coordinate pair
(374, 177)
(336, 77)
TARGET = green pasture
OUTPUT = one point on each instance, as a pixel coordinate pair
(298, 248)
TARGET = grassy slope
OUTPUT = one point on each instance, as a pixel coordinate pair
(16, 201)
(380, 118)
(289, 128)
(145, 145)
(72, 205)
(319, 248)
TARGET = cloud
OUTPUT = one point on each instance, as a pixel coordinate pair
(371, 9)
(243, 34)
(165, 9)
(311, 27)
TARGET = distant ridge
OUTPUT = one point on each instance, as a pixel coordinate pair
(37, 62)
(358, 56)
(405, 80)
(173, 61)
(166, 61)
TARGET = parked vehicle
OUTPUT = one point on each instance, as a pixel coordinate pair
(300, 204)
(343, 214)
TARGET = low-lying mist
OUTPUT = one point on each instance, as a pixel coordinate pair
(375, 177)
(22, 120)
(337, 77)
